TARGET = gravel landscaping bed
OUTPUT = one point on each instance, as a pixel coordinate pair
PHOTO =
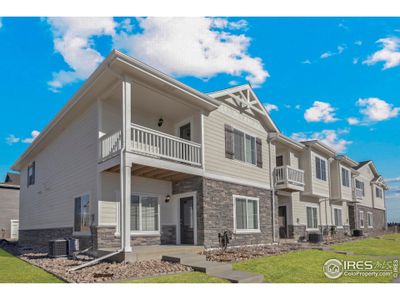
(101, 272)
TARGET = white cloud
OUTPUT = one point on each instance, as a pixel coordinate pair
(233, 82)
(355, 60)
(298, 106)
(341, 25)
(197, 47)
(353, 121)
(34, 135)
(306, 62)
(1, 23)
(270, 107)
(358, 43)
(331, 138)
(340, 50)
(12, 139)
(375, 109)
(389, 54)
(395, 179)
(320, 112)
(73, 40)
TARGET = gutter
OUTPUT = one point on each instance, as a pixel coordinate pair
(272, 137)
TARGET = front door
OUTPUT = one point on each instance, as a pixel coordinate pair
(187, 220)
(184, 132)
(282, 222)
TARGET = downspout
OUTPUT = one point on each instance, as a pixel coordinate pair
(272, 183)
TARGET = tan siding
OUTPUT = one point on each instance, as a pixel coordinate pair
(319, 187)
(366, 176)
(346, 192)
(65, 168)
(214, 145)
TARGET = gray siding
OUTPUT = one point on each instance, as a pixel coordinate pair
(9, 210)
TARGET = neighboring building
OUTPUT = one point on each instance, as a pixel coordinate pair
(9, 207)
(138, 158)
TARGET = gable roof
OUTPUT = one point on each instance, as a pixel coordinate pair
(12, 178)
(115, 65)
(245, 97)
(347, 160)
(318, 145)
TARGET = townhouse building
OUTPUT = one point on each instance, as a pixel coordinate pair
(137, 158)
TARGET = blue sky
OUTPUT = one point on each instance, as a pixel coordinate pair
(335, 79)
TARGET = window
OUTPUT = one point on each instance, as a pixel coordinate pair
(312, 218)
(369, 220)
(361, 219)
(360, 186)
(144, 213)
(31, 174)
(378, 192)
(338, 217)
(82, 215)
(345, 177)
(246, 214)
(320, 165)
(279, 161)
(244, 147)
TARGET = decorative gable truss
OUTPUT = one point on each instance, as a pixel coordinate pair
(244, 99)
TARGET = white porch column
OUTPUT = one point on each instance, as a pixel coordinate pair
(125, 170)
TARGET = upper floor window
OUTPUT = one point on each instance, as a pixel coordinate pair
(360, 185)
(345, 177)
(82, 214)
(31, 174)
(279, 161)
(378, 192)
(242, 146)
(320, 168)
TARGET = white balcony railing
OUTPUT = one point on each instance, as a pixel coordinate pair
(287, 174)
(157, 144)
(110, 145)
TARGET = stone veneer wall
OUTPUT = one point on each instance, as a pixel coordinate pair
(378, 220)
(41, 237)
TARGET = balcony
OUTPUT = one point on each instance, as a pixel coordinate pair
(289, 179)
(152, 143)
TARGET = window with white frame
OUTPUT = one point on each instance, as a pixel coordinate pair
(145, 213)
(378, 192)
(345, 177)
(360, 185)
(337, 213)
(369, 220)
(82, 214)
(246, 213)
(320, 168)
(244, 147)
(312, 217)
(361, 219)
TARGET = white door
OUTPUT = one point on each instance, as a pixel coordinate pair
(14, 229)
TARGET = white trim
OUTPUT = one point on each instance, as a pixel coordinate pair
(178, 197)
(246, 231)
(141, 232)
(244, 147)
(361, 212)
(202, 141)
(12, 233)
(341, 178)
(326, 168)
(372, 219)
(81, 233)
(316, 206)
(341, 216)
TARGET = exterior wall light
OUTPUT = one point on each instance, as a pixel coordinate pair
(160, 122)
(167, 198)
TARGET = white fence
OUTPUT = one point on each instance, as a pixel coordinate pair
(287, 174)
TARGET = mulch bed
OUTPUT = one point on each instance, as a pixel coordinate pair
(101, 272)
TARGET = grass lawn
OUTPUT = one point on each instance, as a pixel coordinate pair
(190, 277)
(14, 270)
(387, 245)
(300, 267)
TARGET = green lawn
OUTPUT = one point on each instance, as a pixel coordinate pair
(300, 267)
(14, 270)
(190, 277)
(387, 245)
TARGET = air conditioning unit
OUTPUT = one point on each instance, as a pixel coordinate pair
(72, 246)
(315, 237)
(357, 232)
(58, 248)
